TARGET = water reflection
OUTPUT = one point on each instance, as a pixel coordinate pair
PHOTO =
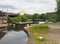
(15, 28)
(13, 36)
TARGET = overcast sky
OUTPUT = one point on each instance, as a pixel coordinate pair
(29, 6)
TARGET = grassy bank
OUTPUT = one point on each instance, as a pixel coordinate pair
(39, 27)
(39, 30)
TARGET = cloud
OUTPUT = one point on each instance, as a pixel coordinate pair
(30, 6)
(7, 6)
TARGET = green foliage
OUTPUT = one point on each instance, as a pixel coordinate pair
(38, 31)
(20, 18)
(42, 16)
(13, 20)
(52, 17)
(38, 40)
(23, 18)
(29, 16)
(35, 16)
(58, 10)
(39, 27)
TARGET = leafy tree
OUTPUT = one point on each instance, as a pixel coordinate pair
(58, 10)
(25, 17)
(35, 16)
(42, 16)
(51, 16)
(29, 16)
(13, 20)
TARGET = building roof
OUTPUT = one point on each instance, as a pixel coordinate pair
(6, 13)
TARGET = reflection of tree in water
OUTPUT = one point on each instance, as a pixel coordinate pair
(2, 34)
(14, 29)
(17, 28)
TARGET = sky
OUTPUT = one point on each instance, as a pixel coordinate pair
(28, 6)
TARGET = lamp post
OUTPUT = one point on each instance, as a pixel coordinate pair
(7, 15)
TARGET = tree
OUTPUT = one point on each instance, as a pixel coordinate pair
(51, 16)
(22, 18)
(25, 17)
(42, 16)
(29, 16)
(58, 10)
(35, 16)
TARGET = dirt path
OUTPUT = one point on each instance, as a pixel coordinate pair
(53, 36)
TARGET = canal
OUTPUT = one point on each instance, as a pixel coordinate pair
(13, 36)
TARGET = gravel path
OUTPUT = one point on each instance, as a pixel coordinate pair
(53, 36)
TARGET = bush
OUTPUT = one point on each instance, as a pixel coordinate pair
(13, 20)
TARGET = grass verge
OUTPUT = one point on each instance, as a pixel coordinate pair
(38, 30)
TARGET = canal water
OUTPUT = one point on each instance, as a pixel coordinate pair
(13, 36)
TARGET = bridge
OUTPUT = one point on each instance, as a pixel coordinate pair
(22, 24)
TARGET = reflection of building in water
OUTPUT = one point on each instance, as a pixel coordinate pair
(2, 34)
